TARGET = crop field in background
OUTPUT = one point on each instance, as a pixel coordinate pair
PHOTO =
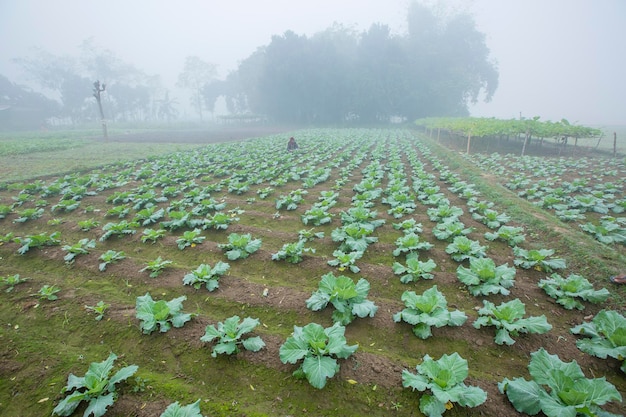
(350, 198)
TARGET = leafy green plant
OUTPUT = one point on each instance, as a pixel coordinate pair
(513, 236)
(354, 236)
(48, 292)
(160, 314)
(408, 226)
(177, 410)
(65, 206)
(444, 378)
(568, 291)
(449, 229)
(558, 389)
(292, 252)
(87, 225)
(607, 231)
(190, 238)
(483, 277)
(491, 218)
(508, 319)
(318, 348)
(348, 298)
(605, 336)
(149, 215)
(463, 248)
(410, 242)
(37, 241)
(317, 216)
(229, 336)
(414, 269)
(156, 267)
(80, 248)
(29, 214)
(11, 281)
(427, 310)
(207, 276)
(97, 387)
(120, 229)
(444, 212)
(152, 235)
(240, 246)
(345, 260)
(220, 220)
(109, 257)
(538, 259)
(100, 308)
(309, 235)
(5, 210)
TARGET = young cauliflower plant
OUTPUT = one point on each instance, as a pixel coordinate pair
(80, 248)
(190, 238)
(568, 291)
(508, 319)
(229, 336)
(558, 389)
(318, 348)
(414, 269)
(410, 242)
(427, 310)
(483, 277)
(97, 388)
(463, 248)
(540, 259)
(240, 246)
(292, 252)
(206, 275)
(605, 336)
(160, 314)
(348, 298)
(444, 378)
(345, 260)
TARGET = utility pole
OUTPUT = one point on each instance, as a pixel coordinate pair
(97, 89)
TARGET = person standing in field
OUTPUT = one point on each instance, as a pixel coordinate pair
(292, 145)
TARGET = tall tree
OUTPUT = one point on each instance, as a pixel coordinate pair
(195, 75)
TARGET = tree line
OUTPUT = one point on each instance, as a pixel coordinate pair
(439, 66)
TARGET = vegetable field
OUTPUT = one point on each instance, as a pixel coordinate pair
(370, 272)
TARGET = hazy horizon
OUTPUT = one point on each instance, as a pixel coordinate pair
(557, 59)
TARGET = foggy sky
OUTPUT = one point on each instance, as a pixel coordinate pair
(556, 58)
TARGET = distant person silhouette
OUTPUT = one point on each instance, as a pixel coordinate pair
(292, 145)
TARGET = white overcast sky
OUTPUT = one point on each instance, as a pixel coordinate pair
(556, 58)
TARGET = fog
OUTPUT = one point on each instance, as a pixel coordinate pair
(556, 59)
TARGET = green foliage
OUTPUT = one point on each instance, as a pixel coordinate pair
(558, 389)
(444, 378)
(427, 310)
(410, 242)
(567, 291)
(240, 246)
(11, 281)
(48, 292)
(354, 236)
(483, 277)
(120, 229)
(152, 235)
(28, 214)
(156, 266)
(538, 259)
(160, 314)
(109, 257)
(97, 388)
(317, 216)
(206, 275)
(177, 410)
(292, 252)
(80, 248)
(513, 236)
(508, 319)
(348, 298)
(318, 348)
(37, 241)
(608, 231)
(449, 229)
(345, 260)
(309, 235)
(229, 336)
(99, 309)
(87, 225)
(408, 226)
(414, 269)
(190, 238)
(463, 248)
(604, 336)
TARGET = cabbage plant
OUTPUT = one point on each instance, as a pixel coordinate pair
(483, 277)
(207, 276)
(558, 389)
(240, 246)
(292, 252)
(463, 248)
(177, 410)
(349, 299)
(318, 348)
(540, 259)
(229, 336)
(508, 319)
(427, 310)
(414, 269)
(444, 380)
(569, 291)
(160, 314)
(97, 388)
(604, 336)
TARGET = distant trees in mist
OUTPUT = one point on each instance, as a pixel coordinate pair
(335, 76)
